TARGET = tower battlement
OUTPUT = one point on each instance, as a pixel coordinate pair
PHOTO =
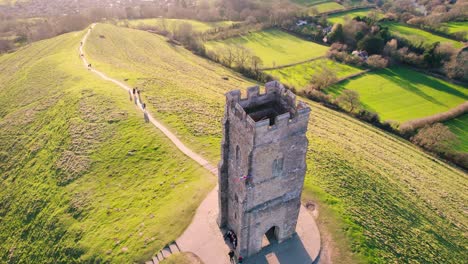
(269, 112)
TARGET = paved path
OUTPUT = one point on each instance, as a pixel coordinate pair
(200, 160)
(203, 236)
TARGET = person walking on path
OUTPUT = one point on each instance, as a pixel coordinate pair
(143, 105)
(138, 93)
(240, 260)
(145, 116)
(231, 256)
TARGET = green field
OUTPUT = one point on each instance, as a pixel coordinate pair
(457, 26)
(327, 7)
(299, 75)
(274, 47)
(418, 36)
(378, 196)
(83, 178)
(172, 24)
(459, 126)
(341, 17)
(402, 94)
(306, 2)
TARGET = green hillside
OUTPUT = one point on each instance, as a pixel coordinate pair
(327, 7)
(299, 75)
(83, 179)
(402, 94)
(342, 16)
(417, 36)
(172, 24)
(274, 47)
(380, 199)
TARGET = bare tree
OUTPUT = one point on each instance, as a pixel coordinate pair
(436, 137)
(349, 100)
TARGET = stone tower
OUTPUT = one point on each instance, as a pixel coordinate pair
(261, 174)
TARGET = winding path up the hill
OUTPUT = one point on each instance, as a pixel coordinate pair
(203, 237)
(200, 160)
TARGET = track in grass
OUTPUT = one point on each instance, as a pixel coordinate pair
(84, 179)
(459, 126)
(299, 75)
(418, 36)
(402, 94)
(379, 195)
(274, 47)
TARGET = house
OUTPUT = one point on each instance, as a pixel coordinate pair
(301, 23)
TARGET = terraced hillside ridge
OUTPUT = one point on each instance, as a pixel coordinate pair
(171, 25)
(402, 94)
(273, 46)
(376, 195)
(83, 178)
(459, 126)
(417, 36)
(299, 76)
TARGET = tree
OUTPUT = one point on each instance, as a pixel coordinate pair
(337, 34)
(256, 63)
(371, 44)
(349, 100)
(323, 78)
(377, 62)
(435, 137)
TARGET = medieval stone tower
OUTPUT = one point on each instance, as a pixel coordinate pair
(262, 170)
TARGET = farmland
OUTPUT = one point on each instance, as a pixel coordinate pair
(418, 36)
(341, 17)
(327, 7)
(83, 178)
(402, 94)
(306, 2)
(378, 196)
(455, 27)
(172, 24)
(274, 47)
(459, 126)
(299, 75)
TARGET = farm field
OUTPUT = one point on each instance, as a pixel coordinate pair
(378, 196)
(459, 126)
(299, 75)
(172, 24)
(417, 36)
(274, 47)
(454, 27)
(84, 179)
(307, 2)
(341, 17)
(401, 94)
(327, 7)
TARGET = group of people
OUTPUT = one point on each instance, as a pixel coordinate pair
(136, 94)
(231, 236)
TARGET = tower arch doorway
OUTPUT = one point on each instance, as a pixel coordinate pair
(270, 237)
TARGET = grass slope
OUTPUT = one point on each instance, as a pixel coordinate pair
(454, 27)
(84, 179)
(299, 75)
(402, 94)
(381, 199)
(418, 36)
(172, 24)
(459, 126)
(342, 17)
(274, 47)
(327, 7)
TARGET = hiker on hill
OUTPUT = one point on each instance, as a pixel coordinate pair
(134, 91)
(145, 116)
(231, 256)
(143, 105)
(81, 43)
(240, 260)
(89, 65)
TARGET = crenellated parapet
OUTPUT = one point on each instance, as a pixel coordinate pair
(273, 113)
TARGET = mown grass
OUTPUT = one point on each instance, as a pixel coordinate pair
(327, 7)
(383, 200)
(299, 76)
(455, 26)
(418, 36)
(172, 24)
(274, 47)
(342, 17)
(83, 178)
(401, 94)
(459, 126)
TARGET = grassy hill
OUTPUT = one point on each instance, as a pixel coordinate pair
(274, 47)
(418, 36)
(380, 199)
(299, 75)
(83, 179)
(402, 94)
(172, 24)
(342, 16)
(327, 7)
